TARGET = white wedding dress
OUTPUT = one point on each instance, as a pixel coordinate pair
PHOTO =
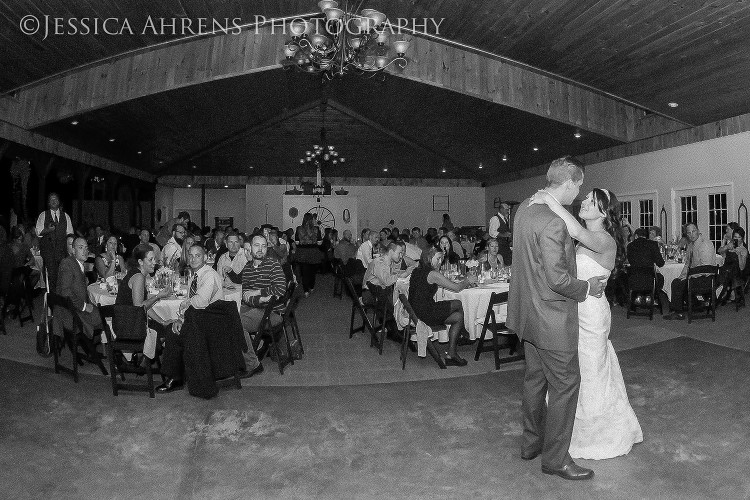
(605, 424)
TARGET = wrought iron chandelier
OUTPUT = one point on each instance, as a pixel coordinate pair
(322, 155)
(343, 43)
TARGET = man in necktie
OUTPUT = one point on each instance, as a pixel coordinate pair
(205, 289)
(53, 226)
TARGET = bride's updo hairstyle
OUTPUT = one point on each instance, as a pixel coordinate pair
(607, 204)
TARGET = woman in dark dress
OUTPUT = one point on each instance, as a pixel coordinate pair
(423, 285)
(307, 253)
(109, 262)
(132, 291)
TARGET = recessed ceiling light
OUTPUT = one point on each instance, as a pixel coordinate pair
(385, 170)
(480, 166)
(140, 152)
(74, 122)
(577, 135)
(160, 162)
(226, 186)
(112, 140)
(251, 167)
(190, 185)
(443, 170)
(194, 166)
(535, 148)
(672, 104)
(505, 158)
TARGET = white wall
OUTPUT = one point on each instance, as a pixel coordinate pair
(712, 162)
(408, 205)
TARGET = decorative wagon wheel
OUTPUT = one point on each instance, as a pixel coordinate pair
(325, 216)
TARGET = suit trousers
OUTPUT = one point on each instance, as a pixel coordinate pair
(549, 426)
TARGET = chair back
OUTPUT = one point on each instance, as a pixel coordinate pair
(54, 301)
(129, 322)
(405, 302)
(702, 279)
(379, 292)
(641, 279)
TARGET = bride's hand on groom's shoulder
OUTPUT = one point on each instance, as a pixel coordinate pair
(539, 198)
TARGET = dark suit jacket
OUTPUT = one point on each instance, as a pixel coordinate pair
(71, 282)
(544, 292)
(643, 252)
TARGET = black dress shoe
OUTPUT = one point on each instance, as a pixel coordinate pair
(530, 455)
(571, 471)
(674, 316)
(455, 361)
(258, 369)
(169, 385)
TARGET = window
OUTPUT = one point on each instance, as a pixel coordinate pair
(626, 211)
(717, 217)
(688, 210)
(646, 213)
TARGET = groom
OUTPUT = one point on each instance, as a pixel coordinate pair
(543, 311)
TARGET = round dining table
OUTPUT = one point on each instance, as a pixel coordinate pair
(672, 269)
(474, 301)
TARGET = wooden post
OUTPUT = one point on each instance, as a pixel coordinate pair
(203, 206)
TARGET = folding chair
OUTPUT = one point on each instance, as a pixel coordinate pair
(701, 280)
(497, 329)
(408, 332)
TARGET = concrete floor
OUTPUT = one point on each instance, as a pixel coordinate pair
(347, 423)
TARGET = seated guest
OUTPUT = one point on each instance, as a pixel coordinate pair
(173, 247)
(133, 290)
(727, 241)
(69, 244)
(385, 269)
(277, 249)
(130, 241)
(215, 246)
(735, 265)
(262, 279)
(457, 248)
(423, 286)
(23, 258)
(366, 251)
(167, 230)
(445, 246)
(383, 236)
(144, 237)
(72, 283)
(684, 241)
(98, 240)
(491, 257)
(183, 266)
(412, 251)
(405, 234)
(205, 288)
(432, 236)
(230, 265)
(345, 250)
(643, 253)
(109, 262)
(700, 252)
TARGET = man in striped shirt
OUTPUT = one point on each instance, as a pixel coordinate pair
(262, 278)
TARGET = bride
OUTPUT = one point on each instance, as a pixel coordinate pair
(605, 424)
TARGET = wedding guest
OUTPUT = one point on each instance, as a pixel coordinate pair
(145, 238)
(700, 252)
(216, 246)
(133, 288)
(345, 249)
(173, 247)
(366, 251)
(423, 286)
(53, 226)
(277, 248)
(447, 223)
(499, 229)
(308, 255)
(109, 262)
(167, 230)
(445, 246)
(231, 264)
(72, 283)
(492, 256)
(205, 289)
(183, 265)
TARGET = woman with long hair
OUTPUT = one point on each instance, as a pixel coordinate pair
(182, 267)
(133, 291)
(110, 262)
(605, 424)
(490, 258)
(423, 285)
(307, 253)
(445, 246)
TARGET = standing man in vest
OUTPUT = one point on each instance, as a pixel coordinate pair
(53, 226)
(500, 229)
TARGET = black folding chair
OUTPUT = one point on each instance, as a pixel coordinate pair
(431, 349)
(358, 307)
(130, 324)
(338, 276)
(20, 294)
(381, 312)
(497, 329)
(642, 283)
(701, 280)
(74, 339)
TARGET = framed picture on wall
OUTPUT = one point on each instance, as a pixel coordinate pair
(441, 203)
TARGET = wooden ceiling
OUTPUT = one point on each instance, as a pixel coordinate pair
(693, 52)
(649, 53)
(262, 124)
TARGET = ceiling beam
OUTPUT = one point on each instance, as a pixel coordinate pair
(203, 60)
(39, 142)
(194, 155)
(449, 162)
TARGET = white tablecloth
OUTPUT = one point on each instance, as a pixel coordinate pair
(672, 269)
(475, 302)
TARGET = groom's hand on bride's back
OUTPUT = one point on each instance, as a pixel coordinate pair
(597, 284)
